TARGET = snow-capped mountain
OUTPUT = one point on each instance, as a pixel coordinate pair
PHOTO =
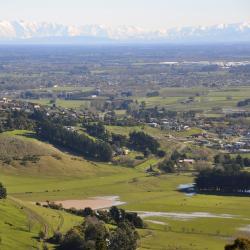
(31, 31)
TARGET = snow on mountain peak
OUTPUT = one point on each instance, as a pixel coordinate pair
(21, 30)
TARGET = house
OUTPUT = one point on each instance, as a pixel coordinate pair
(6, 100)
(153, 124)
(36, 106)
(125, 151)
(190, 161)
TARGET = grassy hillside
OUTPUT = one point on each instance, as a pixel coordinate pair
(50, 161)
(21, 222)
(70, 177)
(14, 231)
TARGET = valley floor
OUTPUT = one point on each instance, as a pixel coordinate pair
(174, 220)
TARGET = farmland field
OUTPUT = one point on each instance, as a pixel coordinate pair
(126, 125)
(204, 99)
(74, 178)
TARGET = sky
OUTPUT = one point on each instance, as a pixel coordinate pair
(149, 14)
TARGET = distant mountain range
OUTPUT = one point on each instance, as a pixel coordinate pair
(49, 33)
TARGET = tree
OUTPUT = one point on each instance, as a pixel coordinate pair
(95, 231)
(218, 159)
(124, 237)
(73, 239)
(176, 156)
(161, 153)
(223, 181)
(88, 211)
(41, 235)
(239, 160)
(143, 105)
(239, 244)
(91, 235)
(79, 143)
(117, 214)
(3, 191)
(97, 130)
(141, 141)
(167, 166)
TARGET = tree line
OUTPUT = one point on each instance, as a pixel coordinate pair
(231, 164)
(243, 102)
(226, 177)
(79, 143)
(139, 141)
(217, 180)
(142, 142)
(113, 216)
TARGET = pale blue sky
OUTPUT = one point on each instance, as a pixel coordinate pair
(144, 13)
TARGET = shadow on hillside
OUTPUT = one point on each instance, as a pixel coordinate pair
(238, 194)
(28, 135)
(195, 192)
(64, 150)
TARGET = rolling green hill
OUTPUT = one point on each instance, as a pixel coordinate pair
(58, 175)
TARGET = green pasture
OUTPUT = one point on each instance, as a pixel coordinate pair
(204, 99)
(61, 103)
(71, 177)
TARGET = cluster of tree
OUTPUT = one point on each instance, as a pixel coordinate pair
(97, 130)
(169, 165)
(113, 216)
(238, 114)
(119, 140)
(57, 118)
(230, 164)
(17, 120)
(143, 142)
(141, 113)
(137, 140)
(3, 191)
(239, 244)
(215, 180)
(65, 121)
(110, 118)
(36, 95)
(243, 103)
(242, 161)
(120, 215)
(94, 235)
(78, 143)
(153, 94)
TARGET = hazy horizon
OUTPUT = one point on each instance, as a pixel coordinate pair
(148, 14)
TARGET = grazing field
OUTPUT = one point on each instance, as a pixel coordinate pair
(216, 218)
(203, 99)
(178, 99)
(61, 103)
(186, 174)
(21, 222)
